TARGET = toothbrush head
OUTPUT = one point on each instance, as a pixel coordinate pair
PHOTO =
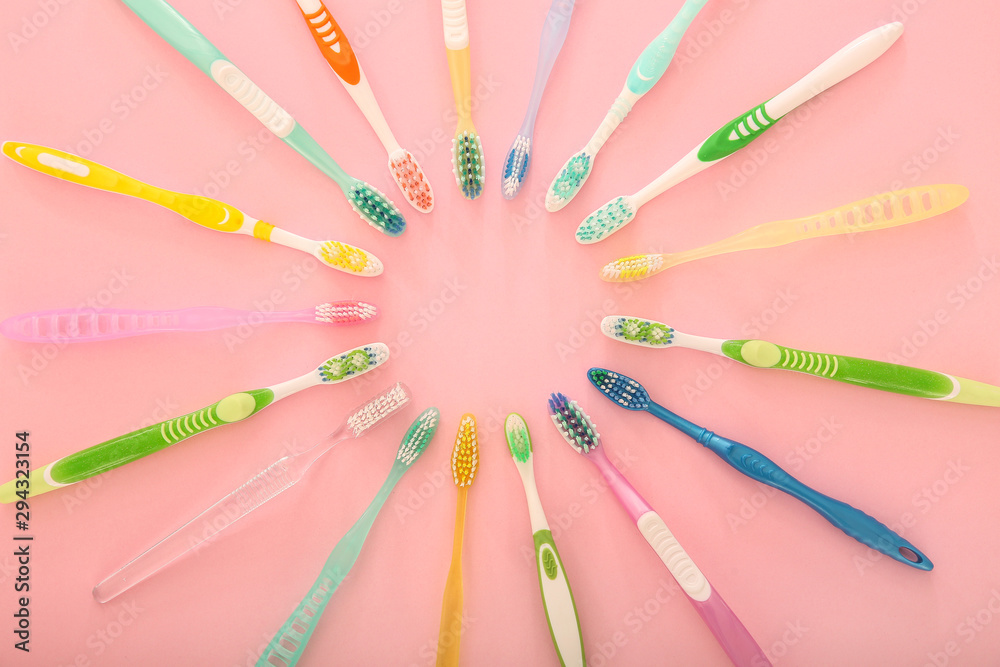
(377, 409)
(345, 312)
(568, 181)
(606, 220)
(636, 267)
(418, 436)
(467, 163)
(465, 456)
(375, 208)
(573, 424)
(411, 180)
(353, 362)
(518, 438)
(348, 258)
(516, 166)
(646, 333)
(619, 389)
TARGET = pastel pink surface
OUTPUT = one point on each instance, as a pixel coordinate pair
(490, 305)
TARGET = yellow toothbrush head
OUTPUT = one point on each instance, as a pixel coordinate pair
(465, 456)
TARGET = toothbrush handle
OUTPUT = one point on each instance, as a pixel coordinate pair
(142, 442)
(450, 631)
(729, 631)
(557, 598)
(554, 33)
(456, 24)
(864, 372)
(289, 643)
(852, 521)
(189, 42)
(203, 211)
(655, 58)
(198, 531)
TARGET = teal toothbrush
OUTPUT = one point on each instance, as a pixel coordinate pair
(557, 598)
(373, 206)
(287, 646)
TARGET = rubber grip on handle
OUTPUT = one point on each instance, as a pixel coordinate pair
(652, 63)
(333, 44)
(456, 24)
(852, 521)
(557, 598)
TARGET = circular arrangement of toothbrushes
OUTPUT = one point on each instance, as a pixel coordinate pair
(563, 615)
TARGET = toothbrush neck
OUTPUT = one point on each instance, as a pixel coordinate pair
(634, 504)
(683, 425)
(456, 547)
(535, 513)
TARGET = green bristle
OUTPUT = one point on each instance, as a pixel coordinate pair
(518, 438)
(376, 209)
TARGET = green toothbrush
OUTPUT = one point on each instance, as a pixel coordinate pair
(289, 643)
(126, 448)
(852, 370)
(373, 206)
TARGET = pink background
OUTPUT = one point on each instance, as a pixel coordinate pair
(524, 301)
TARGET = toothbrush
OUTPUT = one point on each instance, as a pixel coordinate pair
(519, 156)
(852, 370)
(262, 487)
(883, 211)
(91, 324)
(645, 72)
(373, 206)
(467, 160)
(578, 430)
(126, 448)
(333, 44)
(557, 598)
(464, 464)
(625, 392)
(204, 211)
(742, 130)
(290, 641)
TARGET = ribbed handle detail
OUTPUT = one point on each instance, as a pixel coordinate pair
(253, 99)
(674, 557)
(456, 24)
(263, 486)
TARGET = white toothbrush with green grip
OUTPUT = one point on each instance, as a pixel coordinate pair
(743, 129)
(560, 610)
(262, 487)
(290, 641)
(132, 446)
(880, 375)
(373, 206)
(646, 71)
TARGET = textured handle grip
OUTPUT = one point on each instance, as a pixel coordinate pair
(720, 619)
(852, 521)
(656, 57)
(557, 598)
(456, 24)
(253, 99)
(332, 42)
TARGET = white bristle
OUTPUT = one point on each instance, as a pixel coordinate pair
(378, 408)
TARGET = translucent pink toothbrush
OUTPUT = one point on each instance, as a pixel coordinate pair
(90, 324)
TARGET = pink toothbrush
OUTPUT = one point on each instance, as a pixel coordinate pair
(576, 428)
(90, 324)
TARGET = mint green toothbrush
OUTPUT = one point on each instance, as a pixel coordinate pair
(557, 598)
(289, 643)
(123, 449)
(852, 370)
(646, 71)
(373, 206)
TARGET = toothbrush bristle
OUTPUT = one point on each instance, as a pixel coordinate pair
(465, 455)
(350, 259)
(619, 388)
(518, 438)
(354, 362)
(411, 180)
(516, 166)
(467, 163)
(375, 208)
(606, 220)
(635, 267)
(378, 409)
(638, 332)
(568, 181)
(345, 312)
(418, 436)
(573, 424)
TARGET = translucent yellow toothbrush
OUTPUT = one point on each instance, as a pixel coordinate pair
(889, 209)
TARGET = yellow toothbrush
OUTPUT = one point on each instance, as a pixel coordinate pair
(464, 463)
(889, 209)
(466, 148)
(204, 211)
